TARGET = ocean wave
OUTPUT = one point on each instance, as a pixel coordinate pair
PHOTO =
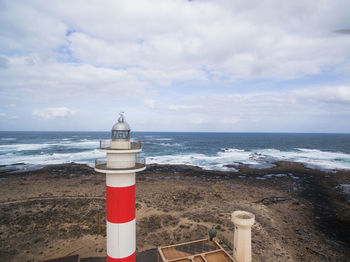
(8, 138)
(190, 159)
(50, 159)
(168, 144)
(23, 147)
(86, 144)
(312, 158)
(83, 144)
(215, 162)
(225, 159)
(263, 158)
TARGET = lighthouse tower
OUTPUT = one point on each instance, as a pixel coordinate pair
(120, 168)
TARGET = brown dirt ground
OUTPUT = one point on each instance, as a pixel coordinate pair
(300, 216)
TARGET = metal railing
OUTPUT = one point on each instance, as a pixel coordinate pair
(106, 144)
(101, 163)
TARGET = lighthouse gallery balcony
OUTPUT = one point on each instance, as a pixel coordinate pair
(106, 145)
(132, 166)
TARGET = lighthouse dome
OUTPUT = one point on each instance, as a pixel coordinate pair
(121, 125)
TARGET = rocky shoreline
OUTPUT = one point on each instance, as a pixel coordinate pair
(302, 214)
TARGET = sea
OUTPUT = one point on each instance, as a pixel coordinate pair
(211, 151)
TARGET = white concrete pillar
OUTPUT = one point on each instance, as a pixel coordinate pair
(242, 243)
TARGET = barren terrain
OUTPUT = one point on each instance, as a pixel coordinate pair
(301, 214)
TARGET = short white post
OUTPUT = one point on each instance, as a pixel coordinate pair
(242, 243)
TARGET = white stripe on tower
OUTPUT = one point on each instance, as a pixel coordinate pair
(120, 180)
(121, 242)
(121, 219)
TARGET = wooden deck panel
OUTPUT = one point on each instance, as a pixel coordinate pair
(176, 253)
(198, 259)
(218, 257)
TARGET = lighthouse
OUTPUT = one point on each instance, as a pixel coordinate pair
(120, 166)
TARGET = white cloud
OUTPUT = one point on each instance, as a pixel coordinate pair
(150, 103)
(44, 33)
(54, 113)
(155, 40)
(232, 121)
(336, 94)
(261, 111)
(58, 82)
(8, 116)
(183, 107)
(170, 55)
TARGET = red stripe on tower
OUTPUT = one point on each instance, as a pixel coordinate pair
(120, 204)
(131, 258)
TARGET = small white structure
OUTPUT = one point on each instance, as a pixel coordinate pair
(120, 168)
(242, 243)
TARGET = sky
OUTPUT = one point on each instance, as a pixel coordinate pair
(175, 65)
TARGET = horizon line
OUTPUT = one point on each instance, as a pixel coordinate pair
(225, 132)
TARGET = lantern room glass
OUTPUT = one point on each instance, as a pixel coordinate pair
(120, 135)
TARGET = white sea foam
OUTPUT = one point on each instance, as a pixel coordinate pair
(168, 144)
(164, 139)
(258, 159)
(23, 147)
(216, 162)
(86, 144)
(8, 138)
(311, 158)
(49, 159)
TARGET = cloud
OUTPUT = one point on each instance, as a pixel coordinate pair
(45, 33)
(181, 40)
(8, 116)
(229, 120)
(54, 113)
(335, 94)
(150, 103)
(343, 31)
(48, 80)
(262, 111)
(183, 107)
(231, 62)
(3, 62)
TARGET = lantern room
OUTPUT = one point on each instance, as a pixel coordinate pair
(121, 130)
